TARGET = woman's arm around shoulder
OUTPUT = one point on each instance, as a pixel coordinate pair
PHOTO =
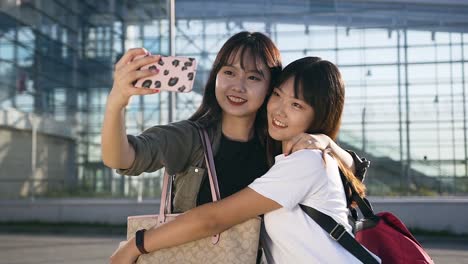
(320, 141)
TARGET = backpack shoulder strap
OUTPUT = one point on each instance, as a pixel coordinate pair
(338, 233)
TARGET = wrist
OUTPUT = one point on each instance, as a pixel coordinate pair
(332, 146)
(114, 105)
(132, 249)
(117, 101)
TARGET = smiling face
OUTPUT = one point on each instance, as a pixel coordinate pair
(288, 116)
(242, 85)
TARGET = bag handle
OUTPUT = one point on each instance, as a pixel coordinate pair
(166, 195)
(363, 204)
(165, 206)
(214, 186)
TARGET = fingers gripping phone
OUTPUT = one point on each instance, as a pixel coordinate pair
(176, 74)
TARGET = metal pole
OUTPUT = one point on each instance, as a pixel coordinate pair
(464, 105)
(34, 125)
(452, 113)
(436, 101)
(19, 71)
(363, 122)
(400, 111)
(363, 80)
(336, 43)
(171, 17)
(408, 148)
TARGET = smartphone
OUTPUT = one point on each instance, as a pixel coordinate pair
(176, 74)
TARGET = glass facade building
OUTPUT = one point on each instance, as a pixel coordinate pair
(404, 66)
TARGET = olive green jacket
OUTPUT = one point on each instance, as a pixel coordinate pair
(178, 148)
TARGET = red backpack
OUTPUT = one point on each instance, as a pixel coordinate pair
(387, 237)
(383, 234)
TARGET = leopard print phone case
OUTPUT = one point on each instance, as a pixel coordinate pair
(176, 74)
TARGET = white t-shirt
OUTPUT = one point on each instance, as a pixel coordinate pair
(291, 235)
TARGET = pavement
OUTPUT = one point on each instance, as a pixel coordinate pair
(96, 248)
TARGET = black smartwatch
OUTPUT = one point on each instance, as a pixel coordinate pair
(139, 240)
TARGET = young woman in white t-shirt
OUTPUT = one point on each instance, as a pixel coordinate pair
(308, 98)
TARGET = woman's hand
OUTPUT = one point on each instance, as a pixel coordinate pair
(308, 141)
(127, 72)
(322, 142)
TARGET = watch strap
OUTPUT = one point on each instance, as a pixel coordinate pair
(140, 241)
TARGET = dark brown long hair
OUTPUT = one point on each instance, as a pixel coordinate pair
(264, 50)
(319, 83)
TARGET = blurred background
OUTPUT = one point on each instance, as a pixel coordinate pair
(404, 63)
